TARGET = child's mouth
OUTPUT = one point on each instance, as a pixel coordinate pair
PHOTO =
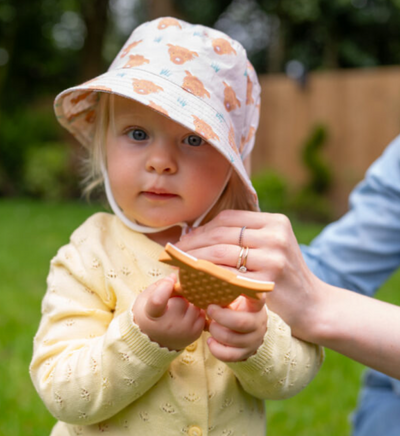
(151, 195)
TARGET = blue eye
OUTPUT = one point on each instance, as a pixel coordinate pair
(138, 135)
(194, 140)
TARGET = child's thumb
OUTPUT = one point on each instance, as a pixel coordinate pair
(158, 299)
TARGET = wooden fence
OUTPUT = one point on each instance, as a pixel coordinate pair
(359, 108)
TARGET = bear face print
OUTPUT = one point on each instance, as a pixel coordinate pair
(90, 116)
(180, 55)
(80, 97)
(231, 139)
(87, 115)
(136, 61)
(249, 90)
(166, 22)
(158, 108)
(223, 47)
(129, 47)
(194, 85)
(145, 87)
(230, 100)
(245, 140)
(204, 129)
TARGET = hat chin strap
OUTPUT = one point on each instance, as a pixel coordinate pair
(146, 229)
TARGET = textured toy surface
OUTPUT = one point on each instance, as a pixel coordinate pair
(203, 283)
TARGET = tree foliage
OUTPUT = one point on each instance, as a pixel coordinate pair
(50, 44)
(46, 46)
(338, 34)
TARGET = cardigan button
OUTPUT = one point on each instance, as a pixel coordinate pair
(192, 347)
(194, 430)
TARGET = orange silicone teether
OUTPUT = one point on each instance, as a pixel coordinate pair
(203, 283)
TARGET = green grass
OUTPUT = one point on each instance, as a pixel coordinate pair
(30, 234)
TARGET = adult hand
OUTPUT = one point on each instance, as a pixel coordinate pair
(366, 328)
(165, 318)
(274, 255)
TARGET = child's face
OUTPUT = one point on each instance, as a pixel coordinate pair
(160, 172)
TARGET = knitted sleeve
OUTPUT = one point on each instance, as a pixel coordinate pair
(89, 363)
(282, 366)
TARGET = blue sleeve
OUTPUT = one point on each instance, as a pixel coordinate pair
(362, 249)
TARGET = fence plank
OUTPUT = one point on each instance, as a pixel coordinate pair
(360, 108)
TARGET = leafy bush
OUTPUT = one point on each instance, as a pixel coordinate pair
(47, 172)
(272, 191)
(20, 131)
(309, 202)
(308, 206)
(32, 159)
(320, 174)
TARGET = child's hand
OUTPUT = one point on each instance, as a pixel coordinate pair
(238, 330)
(169, 320)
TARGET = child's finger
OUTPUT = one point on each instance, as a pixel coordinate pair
(247, 304)
(242, 322)
(255, 304)
(194, 312)
(225, 353)
(177, 306)
(226, 336)
(196, 318)
(157, 302)
(234, 339)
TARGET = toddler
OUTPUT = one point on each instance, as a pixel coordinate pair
(167, 129)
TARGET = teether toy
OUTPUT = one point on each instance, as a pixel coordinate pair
(203, 283)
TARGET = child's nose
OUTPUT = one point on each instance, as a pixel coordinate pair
(161, 158)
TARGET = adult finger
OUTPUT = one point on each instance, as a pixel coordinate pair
(258, 261)
(235, 236)
(206, 236)
(235, 218)
(222, 254)
(226, 228)
(266, 231)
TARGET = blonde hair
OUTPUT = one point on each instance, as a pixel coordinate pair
(93, 179)
(234, 196)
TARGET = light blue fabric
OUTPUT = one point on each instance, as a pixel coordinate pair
(379, 406)
(359, 252)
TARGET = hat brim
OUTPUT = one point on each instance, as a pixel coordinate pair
(75, 109)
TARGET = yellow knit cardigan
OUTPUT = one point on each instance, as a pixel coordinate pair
(97, 372)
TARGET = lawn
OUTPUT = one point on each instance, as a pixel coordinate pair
(30, 234)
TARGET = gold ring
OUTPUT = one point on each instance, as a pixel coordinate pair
(239, 262)
(241, 236)
(242, 261)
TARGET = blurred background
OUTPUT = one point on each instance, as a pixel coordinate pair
(330, 80)
(330, 103)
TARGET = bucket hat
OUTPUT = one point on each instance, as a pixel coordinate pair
(195, 75)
